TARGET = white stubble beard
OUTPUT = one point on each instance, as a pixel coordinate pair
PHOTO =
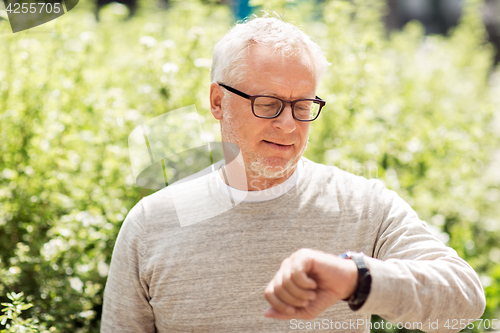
(257, 165)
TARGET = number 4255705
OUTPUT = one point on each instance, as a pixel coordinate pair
(456, 324)
(47, 8)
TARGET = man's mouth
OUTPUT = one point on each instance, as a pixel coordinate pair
(276, 143)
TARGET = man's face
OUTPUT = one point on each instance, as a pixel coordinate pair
(270, 148)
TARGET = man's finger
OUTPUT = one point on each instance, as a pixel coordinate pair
(277, 303)
(288, 298)
(294, 290)
(303, 281)
(272, 313)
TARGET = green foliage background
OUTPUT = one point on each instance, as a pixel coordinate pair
(412, 110)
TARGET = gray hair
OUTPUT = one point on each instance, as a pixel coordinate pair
(285, 39)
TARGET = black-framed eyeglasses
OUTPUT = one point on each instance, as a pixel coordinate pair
(269, 107)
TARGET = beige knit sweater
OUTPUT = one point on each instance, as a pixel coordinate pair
(210, 276)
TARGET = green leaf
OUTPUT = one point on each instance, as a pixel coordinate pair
(26, 306)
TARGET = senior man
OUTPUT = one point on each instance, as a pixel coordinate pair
(217, 275)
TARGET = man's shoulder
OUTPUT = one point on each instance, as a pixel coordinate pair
(152, 208)
(330, 175)
(168, 205)
(194, 182)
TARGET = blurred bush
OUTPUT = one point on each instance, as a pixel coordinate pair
(12, 317)
(69, 98)
(412, 110)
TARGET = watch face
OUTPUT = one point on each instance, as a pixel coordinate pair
(351, 254)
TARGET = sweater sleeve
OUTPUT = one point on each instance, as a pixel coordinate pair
(415, 277)
(126, 305)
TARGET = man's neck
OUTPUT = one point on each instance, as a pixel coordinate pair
(232, 175)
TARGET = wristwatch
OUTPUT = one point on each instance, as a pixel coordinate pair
(361, 293)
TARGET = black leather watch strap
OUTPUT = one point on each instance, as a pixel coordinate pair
(361, 293)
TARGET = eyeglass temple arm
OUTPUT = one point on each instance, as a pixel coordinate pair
(237, 92)
(242, 94)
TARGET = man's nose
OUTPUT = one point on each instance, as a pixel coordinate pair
(285, 120)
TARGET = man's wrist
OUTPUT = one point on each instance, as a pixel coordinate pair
(363, 285)
(352, 277)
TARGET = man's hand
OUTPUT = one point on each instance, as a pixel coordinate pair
(307, 283)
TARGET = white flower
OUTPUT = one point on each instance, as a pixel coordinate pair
(102, 269)
(51, 248)
(76, 284)
(87, 37)
(203, 62)
(168, 44)
(170, 67)
(148, 41)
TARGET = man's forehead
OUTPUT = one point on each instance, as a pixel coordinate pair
(276, 72)
(259, 54)
(303, 89)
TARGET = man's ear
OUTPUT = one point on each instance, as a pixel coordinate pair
(216, 96)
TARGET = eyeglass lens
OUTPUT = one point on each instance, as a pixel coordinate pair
(269, 107)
